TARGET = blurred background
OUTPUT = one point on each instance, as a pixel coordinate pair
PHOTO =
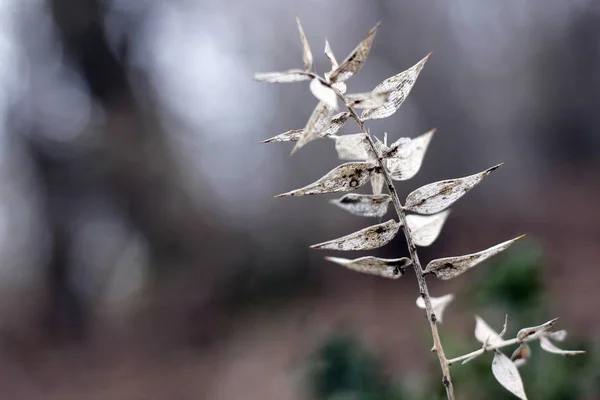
(143, 257)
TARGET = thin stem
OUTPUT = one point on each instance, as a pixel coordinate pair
(431, 317)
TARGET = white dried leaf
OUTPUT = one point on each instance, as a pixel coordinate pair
(484, 334)
(559, 336)
(320, 118)
(289, 136)
(292, 75)
(366, 100)
(352, 147)
(426, 228)
(438, 304)
(355, 60)
(507, 374)
(535, 331)
(388, 268)
(343, 178)
(307, 56)
(399, 87)
(521, 355)
(450, 267)
(364, 205)
(380, 146)
(377, 182)
(324, 93)
(403, 164)
(366, 239)
(330, 57)
(340, 86)
(435, 197)
(548, 346)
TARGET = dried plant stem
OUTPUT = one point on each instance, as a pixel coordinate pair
(431, 317)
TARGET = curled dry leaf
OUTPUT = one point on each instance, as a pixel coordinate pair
(366, 100)
(426, 228)
(535, 331)
(289, 136)
(320, 118)
(503, 331)
(337, 121)
(435, 197)
(404, 166)
(377, 182)
(330, 56)
(352, 147)
(386, 267)
(451, 267)
(307, 56)
(324, 93)
(399, 87)
(521, 355)
(366, 239)
(438, 304)
(484, 334)
(355, 60)
(507, 374)
(559, 336)
(364, 205)
(548, 346)
(343, 178)
(292, 75)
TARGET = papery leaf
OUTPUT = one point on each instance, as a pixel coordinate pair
(343, 178)
(324, 93)
(507, 374)
(355, 60)
(377, 182)
(435, 197)
(521, 355)
(386, 267)
(559, 336)
(438, 304)
(292, 75)
(289, 136)
(399, 87)
(366, 100)
(450, 267)
(402, 165)
(307, 56)
(426, 228)
(364, 205)
(535, 331)
(330, 57)
(320, 118)
(484, 334)
(548, 346)
(352, 147)
(366, 239)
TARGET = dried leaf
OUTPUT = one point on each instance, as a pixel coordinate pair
(355, 60)
(438, 304)
(535, 330)
(548, 346)
(292, 75)
(330, 57)
(319, 119)
(403, 164)
(450, 267)
(503, 331)
(559, 336)
(366, 100)
(388, 268)
(343, 178)
(484, 334)
(399, 87)
(521, 355)
(352, 147)
(425, 229)
(324, 93)
(377, 182)
(435, 197)
(366, 239)
(364, 205)
(307, 56)
(507, 374)
(289, 136)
